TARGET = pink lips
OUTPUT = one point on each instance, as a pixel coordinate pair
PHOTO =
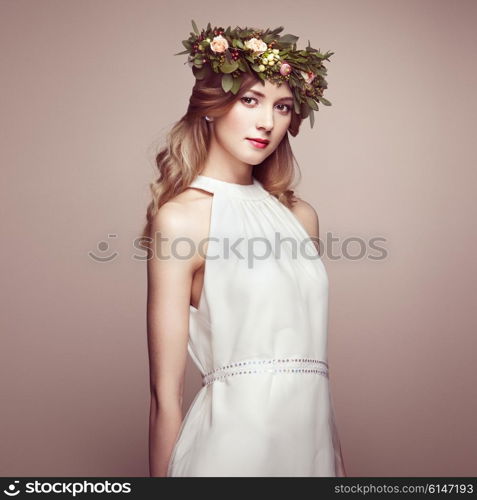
(258, 143)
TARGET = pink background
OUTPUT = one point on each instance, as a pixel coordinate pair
(90, 88)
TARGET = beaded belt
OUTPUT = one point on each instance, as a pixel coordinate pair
(275, 365)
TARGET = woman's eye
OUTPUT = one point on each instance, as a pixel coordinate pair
(252, 98)
(287, 107)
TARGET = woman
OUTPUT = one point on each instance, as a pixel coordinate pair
(234, 277)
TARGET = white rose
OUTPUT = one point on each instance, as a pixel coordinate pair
(219, 44)
(258, 46)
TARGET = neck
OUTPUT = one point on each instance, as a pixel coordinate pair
(224, 166)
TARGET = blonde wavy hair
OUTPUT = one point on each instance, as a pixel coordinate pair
(180, 160)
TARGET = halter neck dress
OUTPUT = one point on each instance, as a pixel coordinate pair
(259, 339)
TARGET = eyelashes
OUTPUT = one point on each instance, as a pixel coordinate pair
(287, 106)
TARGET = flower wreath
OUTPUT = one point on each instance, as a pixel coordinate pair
(265, 53)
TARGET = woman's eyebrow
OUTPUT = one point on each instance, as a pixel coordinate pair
(256, 92)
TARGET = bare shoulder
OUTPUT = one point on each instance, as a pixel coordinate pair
(183, 221)
(172, 219)
(182, 214)
(307, 215)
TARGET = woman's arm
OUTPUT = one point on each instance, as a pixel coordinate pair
(169, 273)
(308, 217)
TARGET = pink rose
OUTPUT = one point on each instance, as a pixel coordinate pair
(285, 69)
(219, 44)
(309, 76)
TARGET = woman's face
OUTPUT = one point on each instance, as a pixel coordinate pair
(263, 112)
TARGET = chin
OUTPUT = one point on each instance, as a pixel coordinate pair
(254, 161)
(250, 159)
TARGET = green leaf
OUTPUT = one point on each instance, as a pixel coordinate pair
(186, 44)
(229, 67)
(247, 67)
(195, 28)
(183, 52)
(288, 39)
(324, 101)
(319, 72)
(312, 103)
(312, 118)
(227, 82)
(296, 105)
(299, 66)
(277, 30)
(236, 85)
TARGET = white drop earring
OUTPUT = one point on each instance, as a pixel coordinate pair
(209, 119)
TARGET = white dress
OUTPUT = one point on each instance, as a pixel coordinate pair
(259, 338)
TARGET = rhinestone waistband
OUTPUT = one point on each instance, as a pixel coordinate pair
(269, 365)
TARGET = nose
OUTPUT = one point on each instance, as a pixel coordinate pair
(265, 119)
